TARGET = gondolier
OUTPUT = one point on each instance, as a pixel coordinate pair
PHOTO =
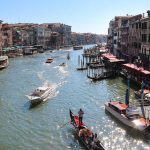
(81, 112)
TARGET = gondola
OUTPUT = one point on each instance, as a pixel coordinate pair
(88, 144)
(82, 68)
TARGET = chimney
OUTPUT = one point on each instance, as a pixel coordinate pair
(148, 12)
(143, 15)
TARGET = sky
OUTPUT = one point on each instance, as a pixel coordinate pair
(84, 16)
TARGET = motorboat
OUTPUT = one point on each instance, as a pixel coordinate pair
(49, 60)
(62, 64)
(128, 115)
(40, 94)
(77, 47)
(4, 62)
(138, 93)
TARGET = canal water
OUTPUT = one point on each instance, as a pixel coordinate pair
(44, 127)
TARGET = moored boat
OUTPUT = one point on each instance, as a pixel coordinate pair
(4, 62)
(49, 60)
(138, 93)
(82, 68)
(40, 94)
(128, 115)
(87, 140)
(77, 47)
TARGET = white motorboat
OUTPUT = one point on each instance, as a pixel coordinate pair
(40, 94)
(129, 116)
(3, 62)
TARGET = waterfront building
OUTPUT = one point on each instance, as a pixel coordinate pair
(61, 32)
(145, 37)
(23, 34)
(120, 33)
(134, 42)
(110, 39)
(0, 37)
(6, 32)
(43, 35)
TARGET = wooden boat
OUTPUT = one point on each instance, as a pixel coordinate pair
(82, 68)
(88, 142)
(77, 47)
(62, 64)
(138, 93)
(49, 60)
(40, 94)
(29, 51)
(128, 115)
(4, 62)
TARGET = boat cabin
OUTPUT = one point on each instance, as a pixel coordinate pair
(39, 91)
(49, 60)
(119, 107)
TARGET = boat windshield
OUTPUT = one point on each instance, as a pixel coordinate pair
(133, 117)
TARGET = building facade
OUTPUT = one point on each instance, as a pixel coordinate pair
(145, 44)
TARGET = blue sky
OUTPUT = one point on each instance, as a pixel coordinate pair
(83, 15)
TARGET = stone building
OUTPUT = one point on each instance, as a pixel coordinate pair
(110, 36)
(23, 34)
(134, 41)
(6, 35)
(145, 37)
(0, 37)
(63, 35)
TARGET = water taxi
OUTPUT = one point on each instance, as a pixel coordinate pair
(40, 94)
(49, 60)
(128, 115)
(4, 62)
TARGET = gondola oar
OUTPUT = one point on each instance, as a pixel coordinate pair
(64, 124)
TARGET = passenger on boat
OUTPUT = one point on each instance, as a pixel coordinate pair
(81, 112)
(86, 135)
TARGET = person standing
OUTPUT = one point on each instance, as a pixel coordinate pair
(80, 116)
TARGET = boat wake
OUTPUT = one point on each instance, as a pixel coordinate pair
(40, 75)
(63, 71)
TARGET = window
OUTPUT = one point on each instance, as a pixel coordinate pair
(136, 25)
(144, 37)
(144, 25)
(139, 24)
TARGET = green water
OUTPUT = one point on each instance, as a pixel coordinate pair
(39, 128)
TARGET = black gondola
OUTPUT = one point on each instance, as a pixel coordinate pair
(82, 68)
(87, 143)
